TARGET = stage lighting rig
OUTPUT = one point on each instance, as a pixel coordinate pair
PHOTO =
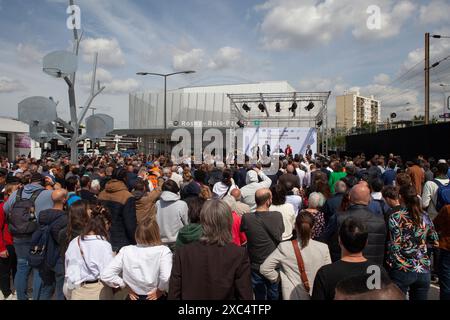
(241, 124)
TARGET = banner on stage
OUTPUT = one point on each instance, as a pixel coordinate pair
(274, 141)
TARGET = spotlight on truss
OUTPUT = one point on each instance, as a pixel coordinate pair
(310, 106)
(246, 108)
(319, 124)
(293, 107)
(241, 124)
(262, 107)
(278, 107)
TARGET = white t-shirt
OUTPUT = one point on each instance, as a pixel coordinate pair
(220, 188)
(429, 196)
(296, 202)
(301, 176)
(288, 214)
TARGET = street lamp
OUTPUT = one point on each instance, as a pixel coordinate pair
(446, 98)
(165, 76)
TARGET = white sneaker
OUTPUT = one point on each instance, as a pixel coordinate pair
(12, 296)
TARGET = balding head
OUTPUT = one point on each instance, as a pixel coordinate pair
(263, 199)
(236, 194)
(360, 194)
(59, 197)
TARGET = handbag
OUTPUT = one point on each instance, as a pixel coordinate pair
(301, 265)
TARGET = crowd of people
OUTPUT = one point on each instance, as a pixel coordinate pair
(145, 228)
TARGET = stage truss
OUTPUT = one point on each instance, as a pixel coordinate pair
(316, 118)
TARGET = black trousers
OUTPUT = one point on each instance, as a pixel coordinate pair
(8, 269)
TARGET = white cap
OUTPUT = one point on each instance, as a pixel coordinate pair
(442, 161)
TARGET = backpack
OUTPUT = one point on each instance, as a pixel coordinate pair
(44, 251)
(443, 195)
(22, 218)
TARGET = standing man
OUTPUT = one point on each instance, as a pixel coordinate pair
(308, 151)
(417, 176)
(32, 197)
(264, 230)
(266, 149)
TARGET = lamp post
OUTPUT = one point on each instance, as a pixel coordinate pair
(165, 76)
(427, 71)
(446, 99)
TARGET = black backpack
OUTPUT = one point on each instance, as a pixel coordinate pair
(44, 252)
(22, 216)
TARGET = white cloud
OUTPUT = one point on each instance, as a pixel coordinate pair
(225, 57)
(394, 15)
(188, 60)
(122, 86)
(382, 79)
(109, 51)
(8, 85)
(29, 54)
(302, 24)
(113, 86)
(435, 12)
(102, 75)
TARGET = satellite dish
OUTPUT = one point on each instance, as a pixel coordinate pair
(98, 126)
(393, 115)
(37, 111)
(60, 63)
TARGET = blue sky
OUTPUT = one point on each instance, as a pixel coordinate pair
(313, 44)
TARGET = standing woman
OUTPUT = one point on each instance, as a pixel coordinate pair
(213, 268)
(294, 284)
(145, 268)
(78, 219)
(315, 203)
(8, 259)
(408, 258)
(87, 256)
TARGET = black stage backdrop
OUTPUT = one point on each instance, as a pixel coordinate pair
(430, 141)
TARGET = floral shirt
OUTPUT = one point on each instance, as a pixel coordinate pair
(407, 249)
(319, 225)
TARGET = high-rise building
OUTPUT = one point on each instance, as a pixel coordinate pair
(353, 110)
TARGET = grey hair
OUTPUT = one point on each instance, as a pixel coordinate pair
(316, 200)
(217, 221)
(340, 187)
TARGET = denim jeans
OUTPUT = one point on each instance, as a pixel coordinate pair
(53, 279)
(40, 292)
(444, 274)
(414, 283)
(263, 288)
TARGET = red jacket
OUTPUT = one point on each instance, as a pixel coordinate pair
(239, 238)
(5, 237)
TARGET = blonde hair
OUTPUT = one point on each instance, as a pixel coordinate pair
(147, 233)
